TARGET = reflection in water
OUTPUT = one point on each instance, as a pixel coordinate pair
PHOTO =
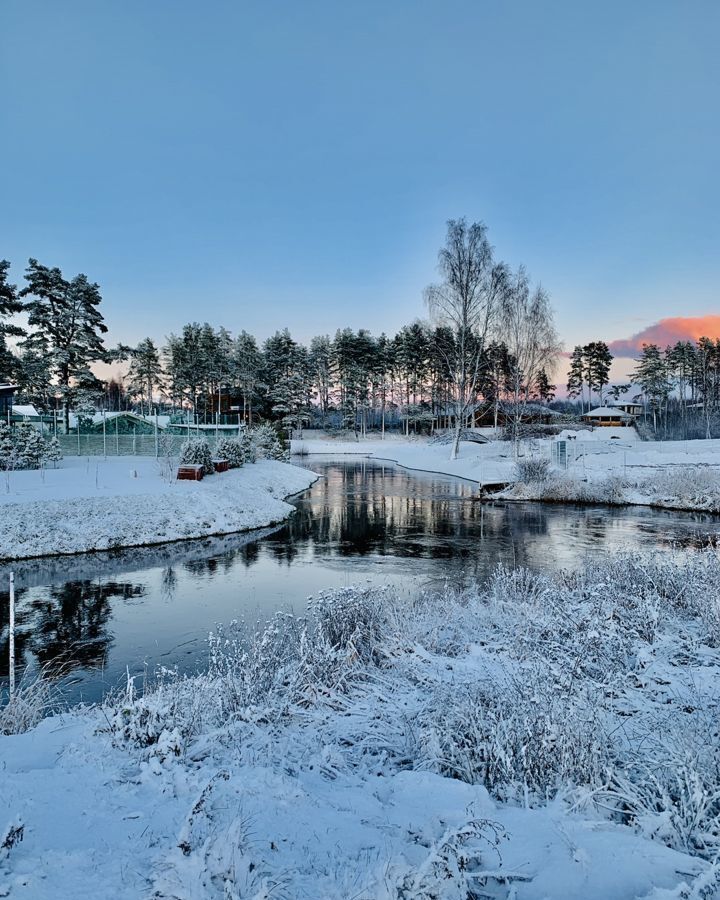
(363, 521)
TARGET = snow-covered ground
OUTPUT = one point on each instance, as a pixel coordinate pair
(537, 739)
(99, 504)
(604, 465)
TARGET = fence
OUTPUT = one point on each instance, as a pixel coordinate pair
(162, 444)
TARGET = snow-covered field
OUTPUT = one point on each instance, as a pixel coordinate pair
(100, 504)
(605, 465)
(537, 738)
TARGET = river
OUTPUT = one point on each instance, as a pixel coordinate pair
(363, 522)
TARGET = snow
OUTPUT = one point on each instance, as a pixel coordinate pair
(99, 504)
(25, 410)
(317, 764)
(604, 465)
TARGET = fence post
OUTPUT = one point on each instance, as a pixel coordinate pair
(11, 640)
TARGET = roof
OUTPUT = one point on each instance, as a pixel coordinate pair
(25, 409)
(609, 411)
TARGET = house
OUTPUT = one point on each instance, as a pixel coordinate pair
(7, 392)
(606, 416)
(632, 409)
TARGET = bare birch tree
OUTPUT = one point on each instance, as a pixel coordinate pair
(466, 301)
(527, 329)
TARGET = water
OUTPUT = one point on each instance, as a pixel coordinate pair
(363, 522)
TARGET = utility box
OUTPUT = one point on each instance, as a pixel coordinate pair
(559, 454)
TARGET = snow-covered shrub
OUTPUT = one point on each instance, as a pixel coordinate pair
(24, 447)
(197, 452)
(684, 488)
(597, 686)
(232, 450)
(267, 444)
(53, 451)
(248, 446)
(31, 447)
(532, 469)
(35, 697)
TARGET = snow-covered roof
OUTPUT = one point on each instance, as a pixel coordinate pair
(607, 411)
(25, 409)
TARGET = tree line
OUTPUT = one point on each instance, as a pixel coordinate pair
(490, 340)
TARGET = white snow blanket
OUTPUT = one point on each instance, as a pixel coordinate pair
(607, 465)
(102, 504)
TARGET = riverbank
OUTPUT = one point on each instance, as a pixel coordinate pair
(103, 504)
(534, 737)
(607, 466)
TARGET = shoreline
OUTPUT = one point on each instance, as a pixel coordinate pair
(247, 499)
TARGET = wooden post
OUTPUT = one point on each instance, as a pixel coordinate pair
(104, 437)
(11, 640)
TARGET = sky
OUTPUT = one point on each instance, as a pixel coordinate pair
(264, 165)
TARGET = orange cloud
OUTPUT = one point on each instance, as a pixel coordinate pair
(668, 331)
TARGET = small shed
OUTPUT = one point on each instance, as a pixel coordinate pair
(607, 416)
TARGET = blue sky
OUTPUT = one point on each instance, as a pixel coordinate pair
(271, 164)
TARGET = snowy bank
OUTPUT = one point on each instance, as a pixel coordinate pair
(536, 738)
(608, 465)
(103, 504)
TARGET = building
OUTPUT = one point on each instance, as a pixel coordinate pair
(632, 409)
(607, 416)
(7, 392)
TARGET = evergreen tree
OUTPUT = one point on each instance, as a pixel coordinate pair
(651, 375)
(9, 306)
(67, 324)
(145, 372)
(542, 389)
(247, 365)
(598, 360)
(576, 376)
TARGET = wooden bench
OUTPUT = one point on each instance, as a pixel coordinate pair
(190, 473)
(221, 465)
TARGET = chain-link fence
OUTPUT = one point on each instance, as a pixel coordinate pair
(162, 444)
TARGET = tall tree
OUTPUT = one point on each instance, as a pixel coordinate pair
(247, 364)
(466, 300)
(598, 360)
(651, 375)
(576, 376)
(528, 329)
(68, 327)
(145, 372)
(10, 304)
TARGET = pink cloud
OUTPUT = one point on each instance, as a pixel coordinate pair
(668, 331)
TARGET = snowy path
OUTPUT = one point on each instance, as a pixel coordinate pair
(101, 504)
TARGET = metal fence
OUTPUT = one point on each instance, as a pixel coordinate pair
(162, 444)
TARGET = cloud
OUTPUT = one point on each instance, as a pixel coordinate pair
(668, 331)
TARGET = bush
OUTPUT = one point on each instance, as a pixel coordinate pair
(532, 470)
(248, 447)
(232, 450)
(267, 444)
(196, 452)
(24, 447)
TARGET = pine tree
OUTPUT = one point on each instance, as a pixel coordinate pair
(145, 371)
(68, 326)
(9, 306)
(598, 360)
(576, 376)
(651, 375)
(542, 389)
(247, 364)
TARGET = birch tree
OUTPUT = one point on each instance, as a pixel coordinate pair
(528, 330)
(467, 302)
